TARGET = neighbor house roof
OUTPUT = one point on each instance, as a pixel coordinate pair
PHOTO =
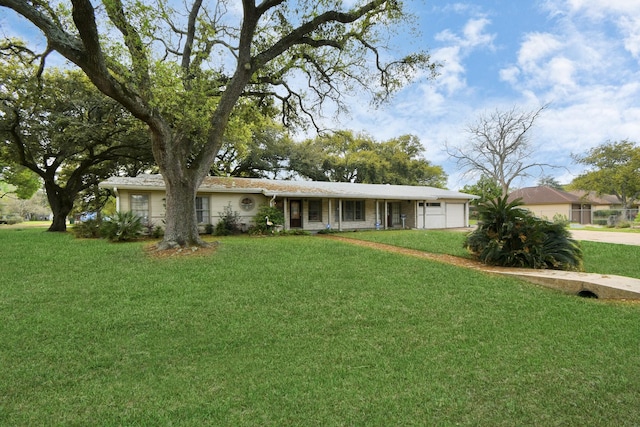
(543, 195)
(281, 188)
(602, 199)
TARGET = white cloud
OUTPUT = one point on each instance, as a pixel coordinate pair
(561, 72)
(510, 74)
(474, 34)
(631, 27)
(537, 47)
(457, 48)
(624, 14)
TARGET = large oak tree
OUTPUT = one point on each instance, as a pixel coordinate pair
(68, 133)
(182, 72)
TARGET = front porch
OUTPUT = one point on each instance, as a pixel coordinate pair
(315, 214)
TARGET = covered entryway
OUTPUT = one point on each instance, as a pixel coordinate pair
(393, 214)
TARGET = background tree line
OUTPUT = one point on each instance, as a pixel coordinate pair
(340, 156)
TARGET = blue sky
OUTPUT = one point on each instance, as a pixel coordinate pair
(581, 56)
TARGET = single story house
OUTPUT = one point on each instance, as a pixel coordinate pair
(577, 206)
(307, 205)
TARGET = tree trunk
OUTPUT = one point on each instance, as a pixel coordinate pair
(181, 228)
(59, 222)
(61, 204)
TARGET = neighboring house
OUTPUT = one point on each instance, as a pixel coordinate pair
(307, 205)
(576, 206)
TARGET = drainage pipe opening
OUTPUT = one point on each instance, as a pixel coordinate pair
(587, 294)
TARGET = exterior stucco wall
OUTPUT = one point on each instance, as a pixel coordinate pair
(219, 201)
(549, 211)
(156, 204)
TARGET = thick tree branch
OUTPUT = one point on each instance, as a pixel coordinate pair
(296, 35)
(191, 34)
(134, 43)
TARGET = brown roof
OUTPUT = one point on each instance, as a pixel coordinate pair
(270, 187)
(603, 199)
(543, 195)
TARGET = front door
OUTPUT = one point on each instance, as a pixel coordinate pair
(393, 214)
(295, 214)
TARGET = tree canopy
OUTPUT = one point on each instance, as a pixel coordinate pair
(61, 128)
(614, 168)
(347, 157)
(486, 188)
(264, 154)
(183, 67)
(549, 181)
(24, 181)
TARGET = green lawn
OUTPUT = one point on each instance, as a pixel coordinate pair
(298, 331)
(602, 258)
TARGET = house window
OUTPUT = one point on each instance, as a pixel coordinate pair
(202, 210)
(140, 206)
(433, 205)
(315, 210)
(353, 210)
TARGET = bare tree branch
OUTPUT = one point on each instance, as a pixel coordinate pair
(499, 146)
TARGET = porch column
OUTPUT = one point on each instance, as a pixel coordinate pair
(466, 214)
(424, 214)
(117, 194)
(286, 214)
(340, 214)
(329, 213)
(378, 213)
(386, 214)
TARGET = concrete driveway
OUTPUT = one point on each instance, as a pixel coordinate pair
(607, 237)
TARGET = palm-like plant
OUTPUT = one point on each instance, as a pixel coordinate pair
(123, 227)
(510, 236)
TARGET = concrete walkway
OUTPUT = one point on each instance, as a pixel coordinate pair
(607, 236)
(594, 285)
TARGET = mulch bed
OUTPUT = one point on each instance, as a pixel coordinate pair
(152, 251)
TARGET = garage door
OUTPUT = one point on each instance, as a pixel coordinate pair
(455, 215)
(435, 215)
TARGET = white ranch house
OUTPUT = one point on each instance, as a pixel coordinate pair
(307, 205)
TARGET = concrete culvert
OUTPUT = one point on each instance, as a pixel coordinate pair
(587, 294)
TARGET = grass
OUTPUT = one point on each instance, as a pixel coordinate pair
(602, 258)
(609, 258)
(298, 331)
(434, 241)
